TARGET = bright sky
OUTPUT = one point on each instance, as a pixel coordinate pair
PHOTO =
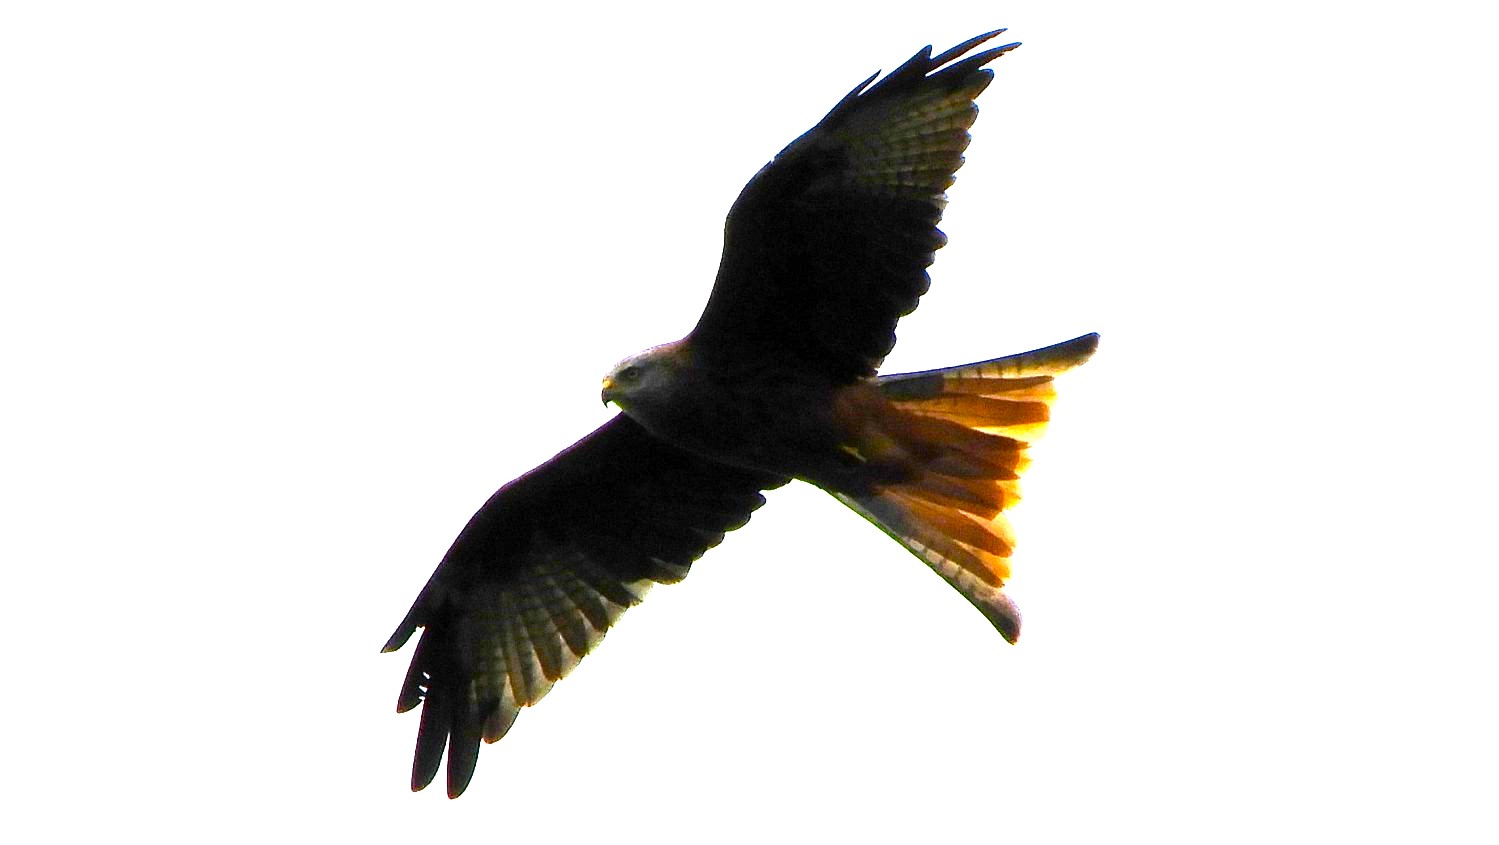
(290, 289)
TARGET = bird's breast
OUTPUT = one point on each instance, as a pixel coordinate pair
(830, 435)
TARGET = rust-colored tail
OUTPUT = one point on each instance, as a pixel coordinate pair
(971, 425)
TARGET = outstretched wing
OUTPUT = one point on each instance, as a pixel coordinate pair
(828, 245)
(543, 569)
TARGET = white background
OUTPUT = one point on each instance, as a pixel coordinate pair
(290, 288)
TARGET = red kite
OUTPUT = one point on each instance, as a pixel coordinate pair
(824, 250)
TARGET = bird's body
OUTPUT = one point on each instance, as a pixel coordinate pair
(778, 419)
(824, 250)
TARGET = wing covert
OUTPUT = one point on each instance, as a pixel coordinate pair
(826, 248)
(542, 571)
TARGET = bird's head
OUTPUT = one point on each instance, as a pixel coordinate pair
(644, 380)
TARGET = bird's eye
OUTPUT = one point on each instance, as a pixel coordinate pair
(629, 374)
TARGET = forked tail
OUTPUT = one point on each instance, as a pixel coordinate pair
(970, 426)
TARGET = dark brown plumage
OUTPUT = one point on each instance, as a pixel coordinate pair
(828, 245)
(547, 565)
(824, 250)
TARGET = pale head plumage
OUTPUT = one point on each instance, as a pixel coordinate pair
(645, 380)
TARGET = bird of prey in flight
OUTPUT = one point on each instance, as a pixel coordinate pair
(824, 250)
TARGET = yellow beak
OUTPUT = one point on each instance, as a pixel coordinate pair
(608, 388)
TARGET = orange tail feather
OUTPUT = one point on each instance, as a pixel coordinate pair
(971, 426)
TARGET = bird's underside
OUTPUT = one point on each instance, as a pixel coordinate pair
(824, 251)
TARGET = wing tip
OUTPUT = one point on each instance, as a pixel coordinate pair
(958, 50)
(977, 59)
(950, 66)
(409, 624)
(461, 768)
(397, 640)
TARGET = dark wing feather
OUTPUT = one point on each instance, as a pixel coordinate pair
(828, 245)
(543, 569)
